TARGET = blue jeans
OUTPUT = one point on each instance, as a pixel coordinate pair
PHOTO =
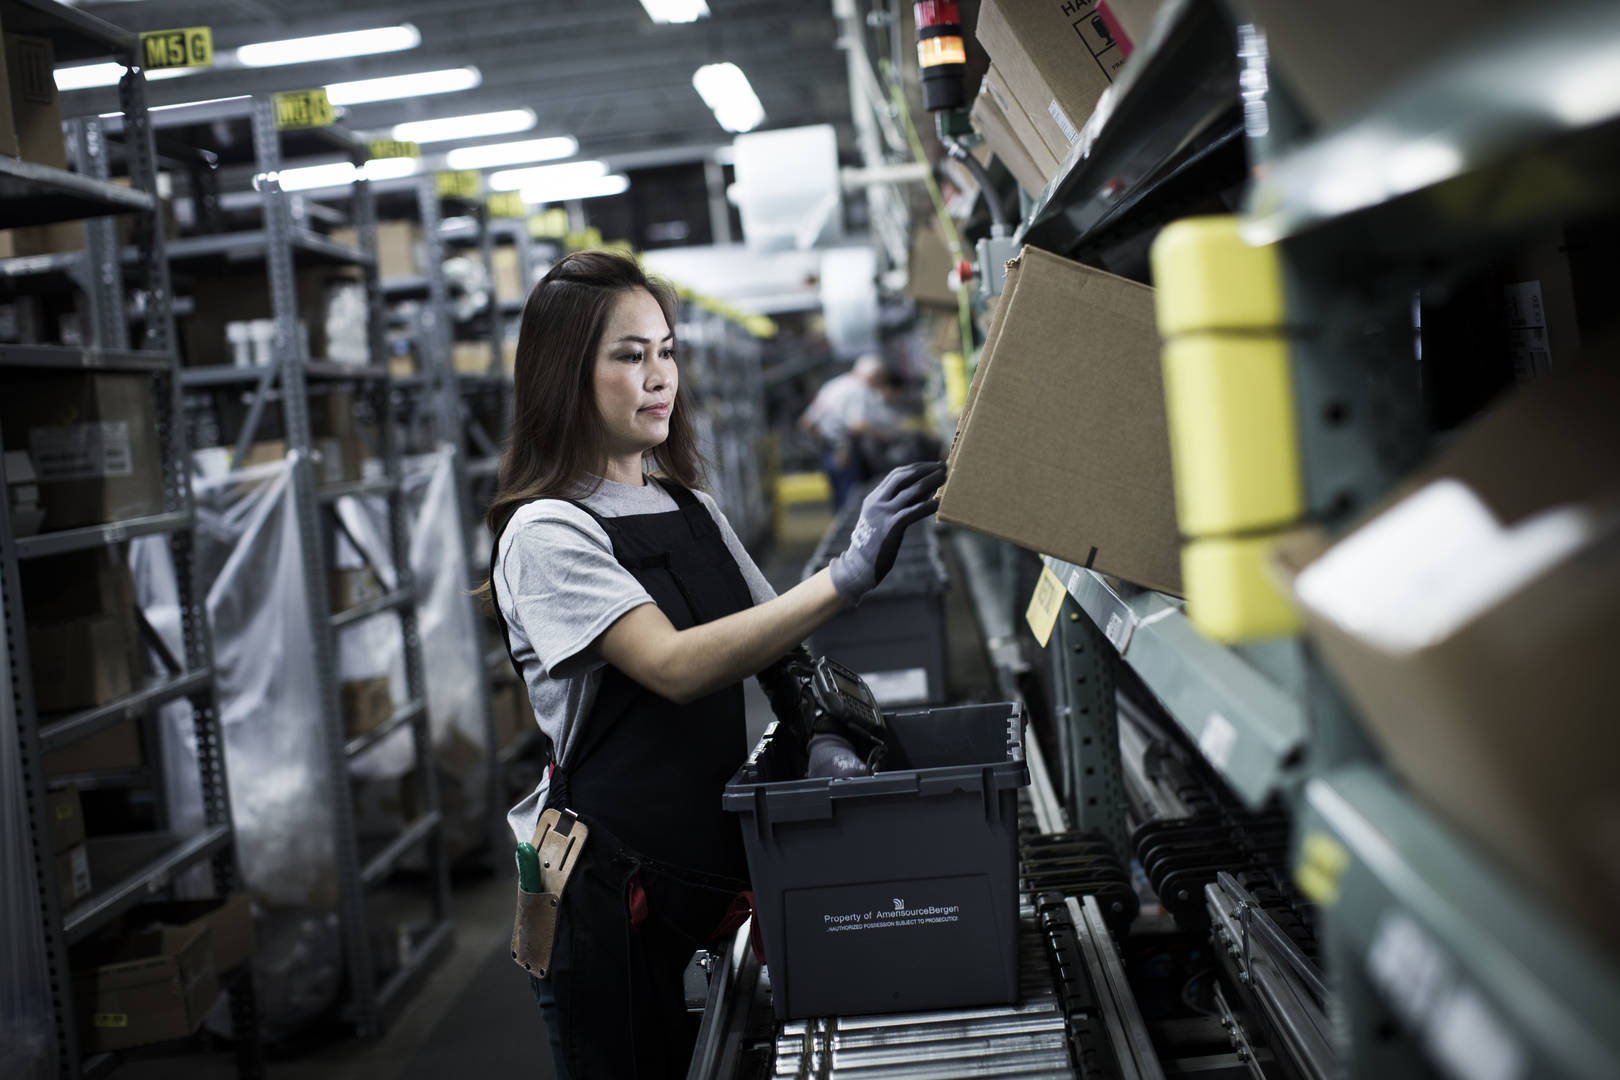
(844, 472)
(548, 1010)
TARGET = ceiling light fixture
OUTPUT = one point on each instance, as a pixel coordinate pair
(578, 188)
(336, 174)
(676, 11)
(478, 125)
(87, 76)
(304, 50)
(392, 168)
(390, 87)
(512, 153)
(725, 90)
(543, 175)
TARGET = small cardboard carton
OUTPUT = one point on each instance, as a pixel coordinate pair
(67, 819)
(1058, 57)
(150, 986)
(109, 750)
(989, 122)
(230, 920)
(508, 274)
(81, 663)
(78, 584)
(1022, 127)
(93, 442)
(397, 246)
(366, 704)
(1062, 446)
(1472, 619)
(350, 588)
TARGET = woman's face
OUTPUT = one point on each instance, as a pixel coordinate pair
(635, 377)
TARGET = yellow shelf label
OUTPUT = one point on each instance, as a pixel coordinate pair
(1044, 605)
(111, 1020)
(584, 238)
(549, 224)
(190, 46)
(379, 149)
(460, 184)
(64, 812)
(1322, 863)
(296, 109)
(506, 204)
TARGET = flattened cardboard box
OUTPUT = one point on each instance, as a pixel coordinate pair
(152, 986)
(1062, 447)
(230, 920)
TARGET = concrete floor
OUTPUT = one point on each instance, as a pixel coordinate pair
(474, 1017)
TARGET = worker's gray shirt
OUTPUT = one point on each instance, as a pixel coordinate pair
(559, 588)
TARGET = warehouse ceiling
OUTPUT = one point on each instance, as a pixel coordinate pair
(599, 70)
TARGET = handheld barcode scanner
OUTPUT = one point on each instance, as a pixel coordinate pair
(846, 724)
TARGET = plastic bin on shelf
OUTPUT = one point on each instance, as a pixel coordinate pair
(894, 892)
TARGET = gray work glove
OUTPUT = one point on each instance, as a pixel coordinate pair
(904, 496)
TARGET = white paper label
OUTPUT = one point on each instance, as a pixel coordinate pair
(902, 687)
(1218, 739)
(1117, 631)
(81, 451)
(1056, 112)
(1526, 318)
(79, 866)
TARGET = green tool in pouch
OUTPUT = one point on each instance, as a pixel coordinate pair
(544, 866)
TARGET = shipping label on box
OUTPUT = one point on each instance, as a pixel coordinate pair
(81, 451)
(72, 875)
(66, 819)
(150, 987)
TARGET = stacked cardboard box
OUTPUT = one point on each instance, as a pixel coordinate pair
(366, 704)
(145, 988)
(67, 846)
(31, 128)
(82, 639)
(398, 246)
(92, 443)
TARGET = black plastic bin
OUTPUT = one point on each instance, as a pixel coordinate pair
(893, 892)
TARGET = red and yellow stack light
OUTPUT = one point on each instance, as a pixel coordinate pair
(941, 53)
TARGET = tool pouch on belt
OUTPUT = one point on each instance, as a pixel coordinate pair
(558, 840)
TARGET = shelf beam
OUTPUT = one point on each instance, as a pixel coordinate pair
(94, 536)
(148, 878)
(82, 725)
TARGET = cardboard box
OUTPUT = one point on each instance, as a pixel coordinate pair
(397, 245)
(81, 663)
(229, 920)
(36, 112)
(989, 122)
(149, 987)
(246, 297)
(66, 816)
(79, 584)
(111, 749)
(1062, 446)
(93, 442)
(1538, 304)
(336, 428)
(1022, 127)
(930, 268)
(471, 357)
(366, 703)
(1058, 58)
(1496, 702)
(350, 588)
(72, 875)
(1337, 58)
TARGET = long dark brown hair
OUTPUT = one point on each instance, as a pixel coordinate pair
(558, 444)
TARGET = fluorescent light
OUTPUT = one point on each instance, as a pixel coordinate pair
(416, 84)
(392, 168)
(86, 76)
(304, 50)
(336, 174)
(478, 125)
(512, 153)
(675, 11)
(565, 189)
(725, 90)
(540, 175)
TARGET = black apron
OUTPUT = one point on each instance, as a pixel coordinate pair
(647, 775)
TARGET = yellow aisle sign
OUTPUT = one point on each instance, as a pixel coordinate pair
(462, 184)
(506, 204)
(302, 109)
(191, 46)
(380, 149)
(579, 240)
(549, 224)
(1045, 605)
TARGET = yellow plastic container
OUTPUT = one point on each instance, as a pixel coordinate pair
(1233, 441)
(1207, 277)
(1230, 593)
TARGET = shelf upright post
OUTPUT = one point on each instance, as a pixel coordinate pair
(103, 268)
(486, 250)
(151, 242)
(295, 407)
(447, 406)
(1088, 720)
(365, 220)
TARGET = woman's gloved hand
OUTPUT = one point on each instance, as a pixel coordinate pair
(902, 497)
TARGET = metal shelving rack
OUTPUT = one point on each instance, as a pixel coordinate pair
(132, 868)
(371, 1001)
(1437, 959)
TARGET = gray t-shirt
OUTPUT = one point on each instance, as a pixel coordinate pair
(559, 588)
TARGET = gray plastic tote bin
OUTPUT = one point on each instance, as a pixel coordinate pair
(893, 892)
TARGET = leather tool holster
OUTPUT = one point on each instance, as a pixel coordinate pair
(558, 840)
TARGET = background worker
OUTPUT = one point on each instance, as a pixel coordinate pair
(848, 408)
(632, 614)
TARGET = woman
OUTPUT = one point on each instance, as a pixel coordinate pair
(632, 613)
